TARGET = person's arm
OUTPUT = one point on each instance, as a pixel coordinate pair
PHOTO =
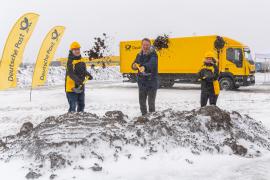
(71, 73)
(205, 75)
(209, 76)
(199, 75)
(86, 73)
(133, 65)
(89, 75)
(151, 66)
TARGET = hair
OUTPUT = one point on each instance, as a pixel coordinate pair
(146, 39)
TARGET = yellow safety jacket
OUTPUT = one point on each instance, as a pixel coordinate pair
(216, 84)
(70, 83)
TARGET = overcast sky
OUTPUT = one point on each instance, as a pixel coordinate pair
(245, 20)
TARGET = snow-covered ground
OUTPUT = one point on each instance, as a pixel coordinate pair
(110, 93)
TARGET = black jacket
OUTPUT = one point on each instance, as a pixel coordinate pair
(77, 71)
(208, 74)
(150, 63)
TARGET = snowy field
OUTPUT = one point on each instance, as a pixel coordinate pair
(110, 93)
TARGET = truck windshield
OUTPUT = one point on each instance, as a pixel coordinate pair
(248, 56)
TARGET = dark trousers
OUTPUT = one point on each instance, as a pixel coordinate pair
(76, 100)
(150, 94)
(205, 96)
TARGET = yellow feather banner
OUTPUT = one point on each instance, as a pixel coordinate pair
(46, 54)
(14, 49)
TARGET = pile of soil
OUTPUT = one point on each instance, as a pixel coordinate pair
(61, 141)
(161, 42)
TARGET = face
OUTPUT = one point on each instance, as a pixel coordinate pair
(208, 60)
(76, 52)
(146, 46)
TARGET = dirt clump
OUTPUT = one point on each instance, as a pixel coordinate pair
(57, 161)
(142, 120)
(53, 176)
(99, 48)
(161, 42)
(26, 128)
(100, 52)
(219, 119)
(117, 116)
(2, 145)
(239, 149)
(96, 167)
(32, 175)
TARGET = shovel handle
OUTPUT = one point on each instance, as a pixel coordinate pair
(138, 67)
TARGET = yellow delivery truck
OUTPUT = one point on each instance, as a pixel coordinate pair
(181, 62)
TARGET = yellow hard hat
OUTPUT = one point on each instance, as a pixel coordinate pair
(210, 54)
(75, 45)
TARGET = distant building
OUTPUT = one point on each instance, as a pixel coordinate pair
(262, 62)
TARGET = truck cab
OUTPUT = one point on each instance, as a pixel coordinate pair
(237, 68)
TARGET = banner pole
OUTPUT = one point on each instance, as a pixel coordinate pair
(31, 94)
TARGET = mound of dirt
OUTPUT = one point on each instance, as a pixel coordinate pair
(63, 140)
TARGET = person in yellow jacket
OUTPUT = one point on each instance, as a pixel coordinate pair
(76, 76)
(208, 75)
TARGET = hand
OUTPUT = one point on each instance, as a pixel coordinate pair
(134, 66)
(89, 77)
(142, 69)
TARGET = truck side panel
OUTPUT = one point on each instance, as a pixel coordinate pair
(184, 58)
(184, 55)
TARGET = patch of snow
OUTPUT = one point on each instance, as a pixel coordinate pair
(56, 75)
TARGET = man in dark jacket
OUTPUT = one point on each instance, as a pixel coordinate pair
(146, 63)
(208, 76)
(76, 76)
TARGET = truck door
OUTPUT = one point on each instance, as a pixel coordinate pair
(234, 57)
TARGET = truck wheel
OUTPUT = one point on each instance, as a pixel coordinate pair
(131, 77)
(167, 84)
(226, 83)
(236, 87)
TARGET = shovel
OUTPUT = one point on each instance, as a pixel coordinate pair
(78, 89)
